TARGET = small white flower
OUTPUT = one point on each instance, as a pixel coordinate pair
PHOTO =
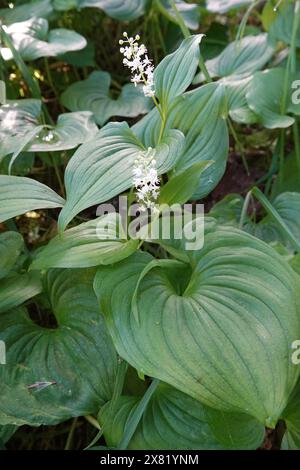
(137, 60)
(48, 137)
(146, 181)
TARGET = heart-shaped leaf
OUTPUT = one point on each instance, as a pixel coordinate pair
(32, 40)
(93, 94)
(103, 167)
(89, 244)
(19, 195)
(173, 420)
(221, 333)
(54, 374)
(241, 57)
(21, 128)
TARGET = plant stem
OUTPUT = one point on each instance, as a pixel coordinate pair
(239, 145)
(57, 172)
(245, 209)
(71, 434)
(297, 143)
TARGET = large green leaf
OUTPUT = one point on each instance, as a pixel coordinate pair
(173, 420)
(53, 374)
(103, 167)
(11, 244)
(123, 10)
(21, 128)
(32, 40)
(200, 114)
(17, 288)
(19, 195)
(219, 330)
(37, 8)
(176, 71)
(242, 57)
(265, 96)
(89, 244)
(93, 94)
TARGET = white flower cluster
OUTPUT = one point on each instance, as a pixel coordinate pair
(136, 58)
(145, 180)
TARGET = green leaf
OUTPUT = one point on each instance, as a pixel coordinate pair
(236, 89)
(222, 334)
(93, 94)
(32, 40)
(287, 206)
(17, 288)
(89, 244)
(176, 71)
(242, 57)
(19, 195)
(83, 58)
(189, 11)
(17, 118)
(21, 128)
(200, 115)
(122, 10)
(223, 6)
(53, 374)
(181, 187)
(6, 432)
(173, 420)
(11, 245)
(265, 95)
(289, 179)
(291, 416)
(281, 29)
(37, 9)
(102, 168)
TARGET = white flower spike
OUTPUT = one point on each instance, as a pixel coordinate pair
(146, 181)
(137, 60)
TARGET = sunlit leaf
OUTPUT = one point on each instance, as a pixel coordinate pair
(93, 94)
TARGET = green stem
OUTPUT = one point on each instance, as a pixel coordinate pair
(71, 434)
(31, 83)
(245, 209)
(297, 143)
(239, 145)
(57, 172)
(186, 34)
